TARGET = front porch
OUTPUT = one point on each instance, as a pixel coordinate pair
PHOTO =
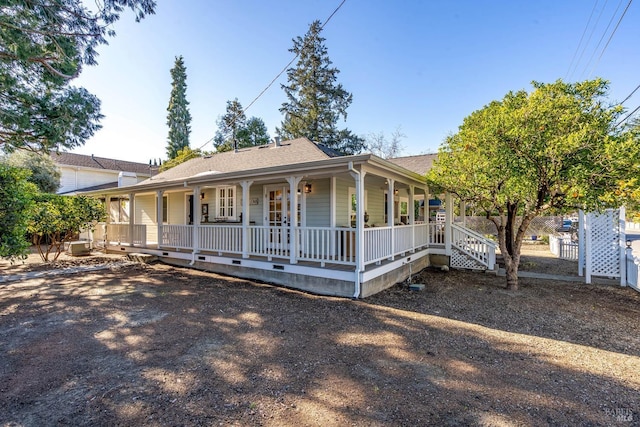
(348, 226)
(322, 260)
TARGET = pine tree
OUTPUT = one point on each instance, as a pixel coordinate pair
(179, 118)
(235, 131)
(316, 102)
(229, 126)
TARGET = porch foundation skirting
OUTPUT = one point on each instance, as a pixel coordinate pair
(321, 280)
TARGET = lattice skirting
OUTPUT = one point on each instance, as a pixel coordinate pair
(461, 260)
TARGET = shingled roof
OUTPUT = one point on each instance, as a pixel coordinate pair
(298, 150)
(94, 162)
(421, 163)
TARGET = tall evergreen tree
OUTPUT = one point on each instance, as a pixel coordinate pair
(315, 101)
(178, 118)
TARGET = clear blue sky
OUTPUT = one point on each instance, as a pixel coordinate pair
(422, 65)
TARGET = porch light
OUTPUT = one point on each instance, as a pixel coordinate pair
(201, 196)
(395, 191)
(307, 188)
(628, 244)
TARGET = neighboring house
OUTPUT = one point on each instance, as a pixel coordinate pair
(293, 213)
(79, 172)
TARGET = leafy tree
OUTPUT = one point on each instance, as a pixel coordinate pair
(55, 219)
(234, 130)
(44, 172)
(315, 102)
(379, 145)
(183, 155)
(178, 118)
(229, 126)
(43, 46)
(255, 133)
(554, 149)
(16, 195)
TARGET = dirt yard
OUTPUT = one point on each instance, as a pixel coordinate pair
(158, 345)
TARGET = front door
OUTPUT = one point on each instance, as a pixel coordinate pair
(277, 216)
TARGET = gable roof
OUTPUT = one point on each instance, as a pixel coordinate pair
(420, 164)
(94, 162)
(300, 150)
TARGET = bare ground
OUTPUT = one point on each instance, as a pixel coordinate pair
(159, 345)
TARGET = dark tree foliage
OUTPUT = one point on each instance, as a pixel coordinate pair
(178, 117)
(43, 46)
(235, 131)
(16, 195)
(44, 172)
(315, 101)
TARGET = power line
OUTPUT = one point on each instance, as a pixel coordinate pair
(604, 33)
(628, 115)
(630, 95)
(283, 69)
(588, 39)
(575, 54)
(611, 36)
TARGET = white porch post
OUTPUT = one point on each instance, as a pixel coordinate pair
(463, 212)
(293, 218)
(131, 217)
(159, 214)
(448, 200)
(621, 242)
(390, 213)
(246, 185)
(332, 216)
(360, 208)
(196, 221)
(412, 217)
(426, 212)
(587, 248)
(581, 243)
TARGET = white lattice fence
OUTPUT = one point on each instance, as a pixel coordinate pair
(603, 234)
(461, 260)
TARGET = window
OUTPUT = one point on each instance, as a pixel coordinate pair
(119, 210)
(165, 209)
(353, 205)
(226, 202)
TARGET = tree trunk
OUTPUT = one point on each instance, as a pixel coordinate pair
(511, 268)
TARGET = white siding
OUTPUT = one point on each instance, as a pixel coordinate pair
(375, 205)
(145, 213)
(72, 179)
(255, 211)
(318, 204)
(177, 208)
(342, 201)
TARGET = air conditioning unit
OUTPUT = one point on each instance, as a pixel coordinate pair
(79, 248)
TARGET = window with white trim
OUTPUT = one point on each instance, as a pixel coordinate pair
(226, 202)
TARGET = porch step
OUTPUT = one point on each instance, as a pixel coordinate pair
(142, 258)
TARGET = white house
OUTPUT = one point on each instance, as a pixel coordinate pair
(79, 172)
(293, 213)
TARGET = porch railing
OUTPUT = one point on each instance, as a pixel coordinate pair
(633, 271)
(317, 244)
(474, 245)
(268, 241)
(177, 236)
(436, 233)
(326, 244)
(120, 233)
(221, 238)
